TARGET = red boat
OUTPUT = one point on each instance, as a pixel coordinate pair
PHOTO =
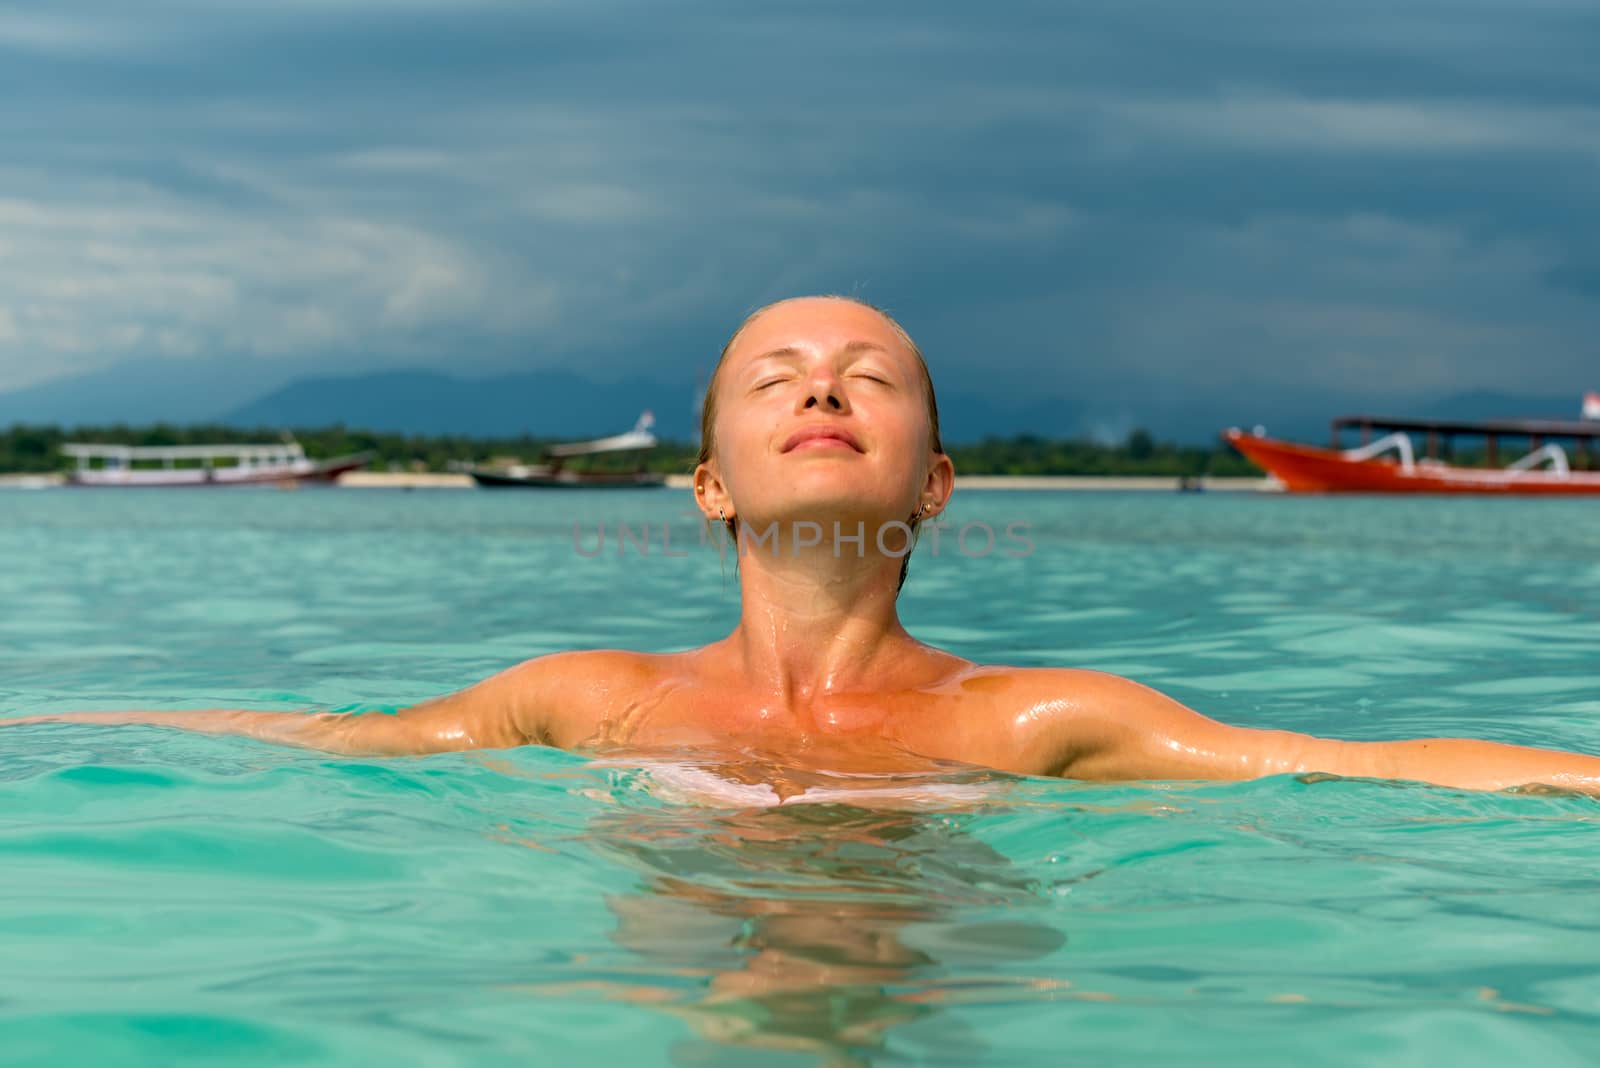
(1390, 465)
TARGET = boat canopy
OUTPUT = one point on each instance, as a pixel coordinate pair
(637, 438)
(278, 453)
(1538, 432)
(1525, 428)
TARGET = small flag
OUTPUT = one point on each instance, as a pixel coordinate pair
(1591, 405)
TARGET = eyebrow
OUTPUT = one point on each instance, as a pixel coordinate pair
(789, 352)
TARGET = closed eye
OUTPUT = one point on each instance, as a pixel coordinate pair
(759, 386)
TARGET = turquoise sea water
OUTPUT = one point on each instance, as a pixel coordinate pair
(167, 898)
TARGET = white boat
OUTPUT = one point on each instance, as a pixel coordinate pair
(556, 473)
(128, 466)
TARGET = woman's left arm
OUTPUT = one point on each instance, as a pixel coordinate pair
(1119, 729)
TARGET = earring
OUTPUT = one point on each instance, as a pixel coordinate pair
(721, 516)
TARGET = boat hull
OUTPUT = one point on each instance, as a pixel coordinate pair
(1308, 469)
(262, 475)
(569, 480)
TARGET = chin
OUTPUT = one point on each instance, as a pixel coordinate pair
(827, 506)
(824, 493)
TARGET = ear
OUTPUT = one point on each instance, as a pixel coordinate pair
(938, 486)
(710, 495)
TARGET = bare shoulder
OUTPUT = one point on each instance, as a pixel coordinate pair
(569, 694)
(1059, 717)
(1084, 696)
(1110, 727)
(1068, 689)
(591, 667)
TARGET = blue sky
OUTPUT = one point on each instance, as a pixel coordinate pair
(1126, 204)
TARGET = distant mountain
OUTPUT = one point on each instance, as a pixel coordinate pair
(561, 404)
(564, 404)
(146, 391)
(558, 404)
(547, 404)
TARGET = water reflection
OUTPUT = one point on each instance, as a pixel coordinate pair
(821, 929)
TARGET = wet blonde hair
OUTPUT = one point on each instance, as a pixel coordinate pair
(708, 406)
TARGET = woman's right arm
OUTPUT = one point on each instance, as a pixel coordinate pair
(502, 711)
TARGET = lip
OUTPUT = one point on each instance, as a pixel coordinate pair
(809, 434)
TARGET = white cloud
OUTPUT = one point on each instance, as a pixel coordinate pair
(109, 270)
(1364, 302)
(54, 33)
(1086, 194)
(586, 204)
(1278, 120)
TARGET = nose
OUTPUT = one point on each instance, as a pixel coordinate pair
(824, 390)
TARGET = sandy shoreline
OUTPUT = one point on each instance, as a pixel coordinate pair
(1091, 483)
(416, 480)
(405, 480)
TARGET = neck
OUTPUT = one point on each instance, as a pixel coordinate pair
(816, 621)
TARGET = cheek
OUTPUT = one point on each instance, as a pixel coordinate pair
(910, 473)
(748, 429)
(738, 437)
(910, 431)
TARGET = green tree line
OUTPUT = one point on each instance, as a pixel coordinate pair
(37, 449)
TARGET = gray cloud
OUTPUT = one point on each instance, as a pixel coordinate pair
(1116, 202)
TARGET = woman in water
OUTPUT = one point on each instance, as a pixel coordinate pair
(820, 454)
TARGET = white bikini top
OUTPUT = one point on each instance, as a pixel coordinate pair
(689, 784)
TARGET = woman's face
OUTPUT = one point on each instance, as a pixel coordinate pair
(820, 366)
